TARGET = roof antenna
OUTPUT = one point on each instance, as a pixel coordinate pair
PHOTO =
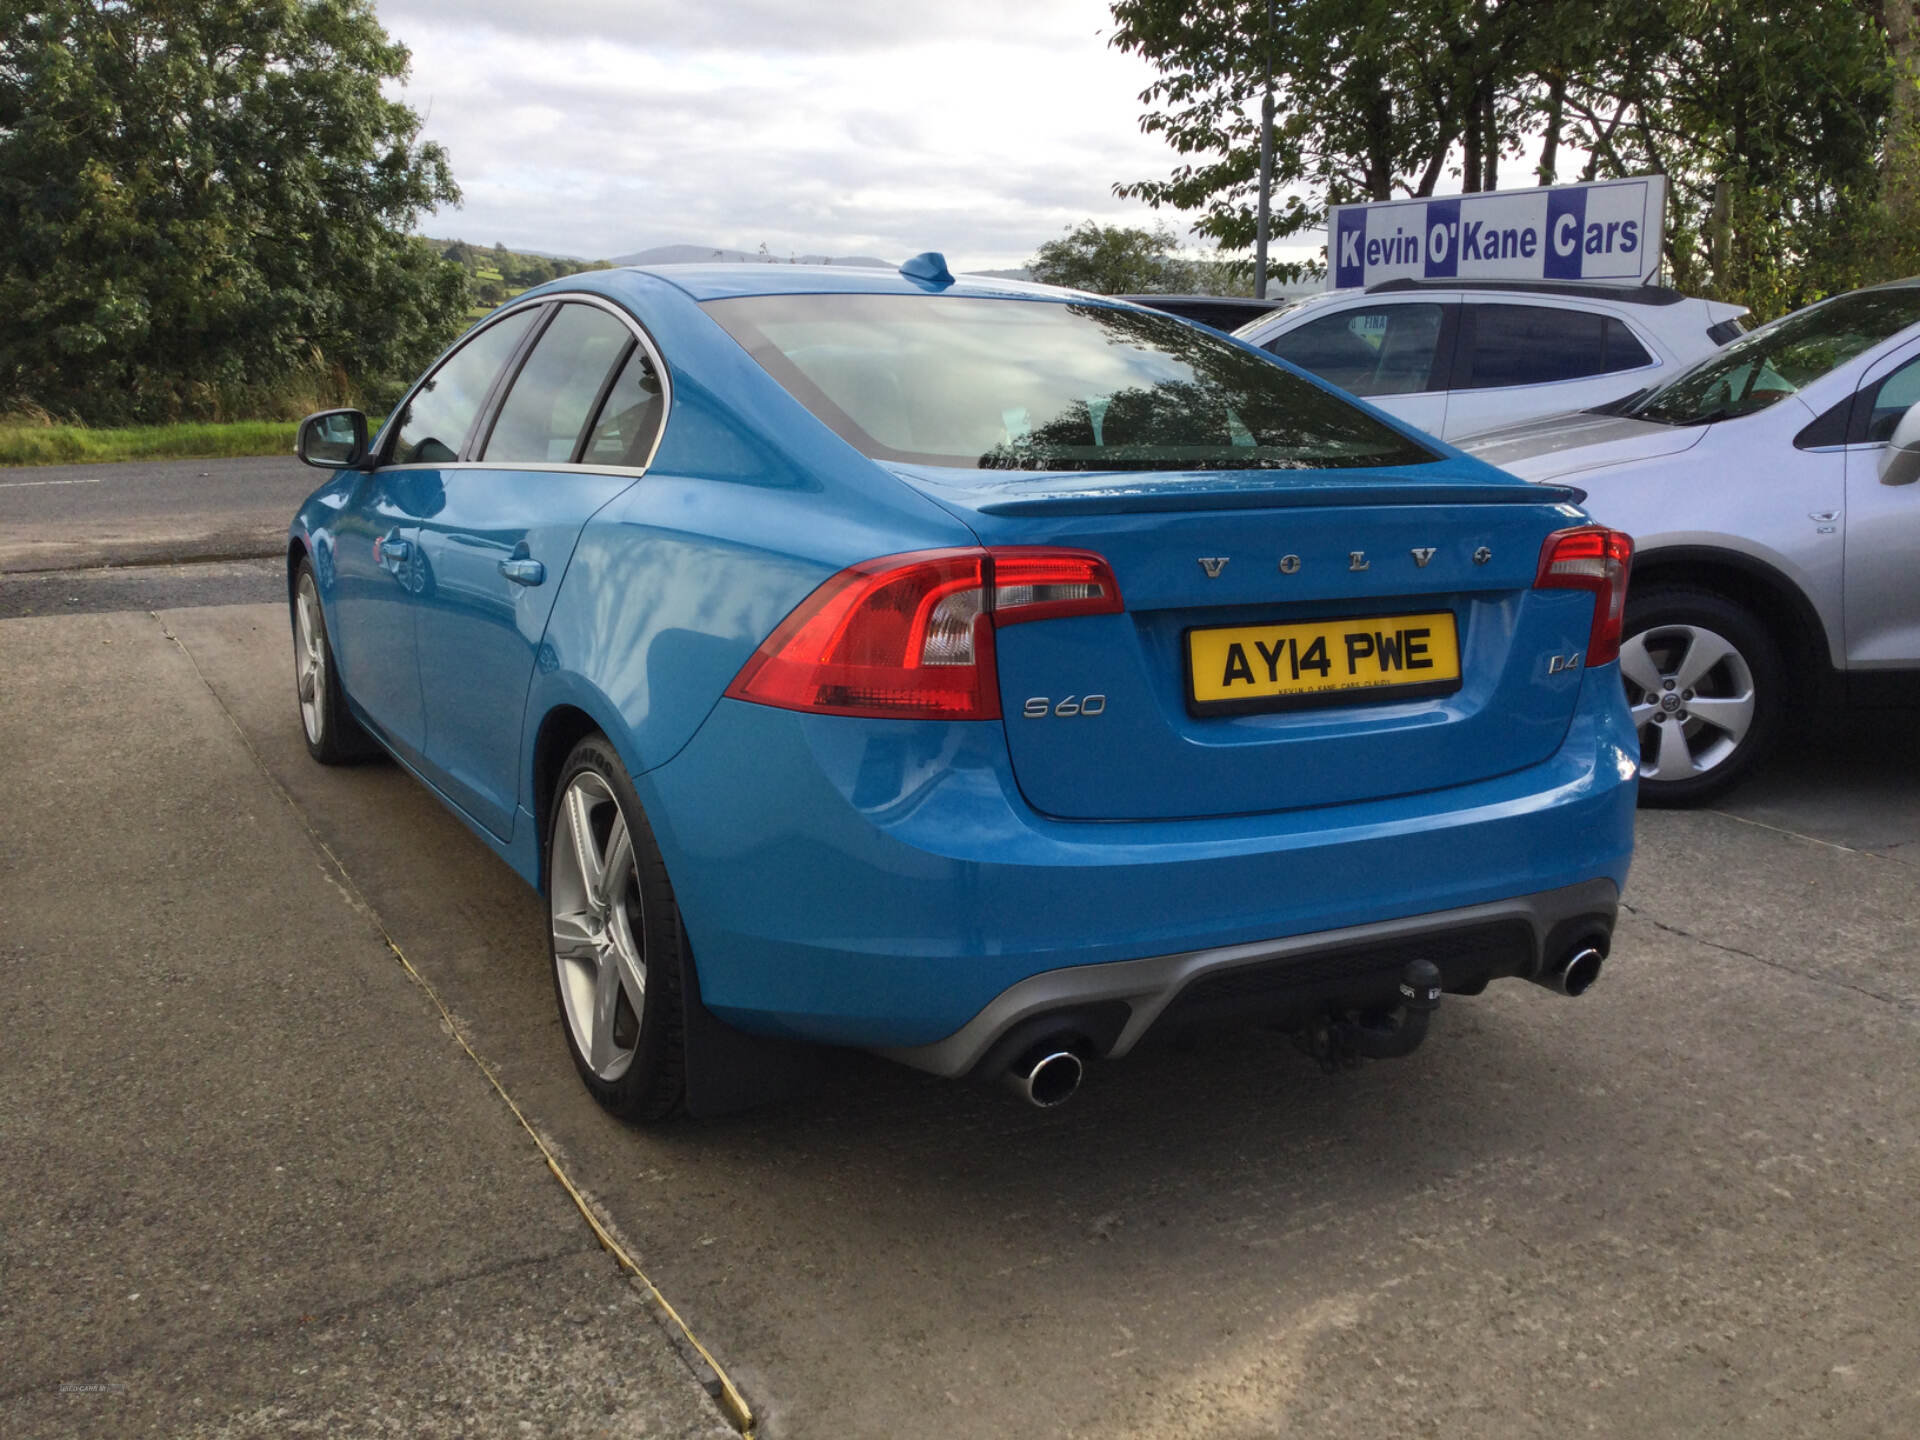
(928, 268)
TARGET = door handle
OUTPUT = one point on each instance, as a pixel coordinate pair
(523, 571)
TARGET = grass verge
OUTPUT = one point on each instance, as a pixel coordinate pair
(80, 445)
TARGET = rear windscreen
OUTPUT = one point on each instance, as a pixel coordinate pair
(996, 384)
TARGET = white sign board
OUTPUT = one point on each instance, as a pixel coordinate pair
(1609, 231)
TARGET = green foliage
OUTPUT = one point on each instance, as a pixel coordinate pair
(495, 276)
(1770, 118)
(1372, 97)
(77, 444)
(1122, 260)
(203, 206)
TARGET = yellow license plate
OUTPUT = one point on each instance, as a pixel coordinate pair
(1268, 667)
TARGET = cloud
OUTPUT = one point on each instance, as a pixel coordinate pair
(596, 128)
(754, 26)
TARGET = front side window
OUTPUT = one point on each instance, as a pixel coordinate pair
(553, 395)
(438, 415)
(1385, 350)
(1777, 360)
(1041, 385)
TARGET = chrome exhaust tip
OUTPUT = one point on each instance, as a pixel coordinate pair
(1047, 1078)
(1578, 973)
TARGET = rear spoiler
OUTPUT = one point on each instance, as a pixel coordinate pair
(1121, 499)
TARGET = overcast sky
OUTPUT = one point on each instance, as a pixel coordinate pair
(874, 127)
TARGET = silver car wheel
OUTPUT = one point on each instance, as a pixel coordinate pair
(597, 921)
(310, 660)
(1692, 698)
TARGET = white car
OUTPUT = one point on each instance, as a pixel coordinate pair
(1454, 357)
(1771, 494)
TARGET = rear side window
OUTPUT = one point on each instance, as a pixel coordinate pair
(441, 412)
(1386, 350)
(1624, 352)
(623, 432)
(1506, 345)
(554, 394)
(1003, 384)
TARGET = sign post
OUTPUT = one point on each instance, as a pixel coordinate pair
(1607, 232)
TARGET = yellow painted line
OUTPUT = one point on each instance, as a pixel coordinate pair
(730, 1400)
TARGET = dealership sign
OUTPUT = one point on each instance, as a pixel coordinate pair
(1608, 231)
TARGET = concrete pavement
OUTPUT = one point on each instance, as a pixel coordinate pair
(1681, 1206)
(251, 1185)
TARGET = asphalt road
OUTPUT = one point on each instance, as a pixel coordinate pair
(1680, 1206)
(65, 517)
(142, 587)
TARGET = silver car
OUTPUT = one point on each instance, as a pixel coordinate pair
(1770, 493)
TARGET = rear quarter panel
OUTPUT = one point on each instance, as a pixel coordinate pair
(750, 503)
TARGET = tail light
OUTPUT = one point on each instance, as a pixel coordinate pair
(911, 636)
(1597, 559)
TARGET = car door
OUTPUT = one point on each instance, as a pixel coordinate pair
(1882, 586)
(1514, 362)
(379, 570)
(1393, 354)
(500, 541)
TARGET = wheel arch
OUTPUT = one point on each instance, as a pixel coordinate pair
(561, 728)
(296, 552)
(567, 716)
(1775, 600)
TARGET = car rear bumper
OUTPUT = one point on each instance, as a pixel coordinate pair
(884, 884)
(1111, 1007)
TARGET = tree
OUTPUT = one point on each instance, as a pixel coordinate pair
(1374, 97)
(1111, 260)
(1789, 130)
(203, 207)
(1770, 119)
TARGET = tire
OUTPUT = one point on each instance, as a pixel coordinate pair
(1707, 689)
(333, 736)
(614, 936)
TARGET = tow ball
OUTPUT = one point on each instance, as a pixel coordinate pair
(1341, 1042)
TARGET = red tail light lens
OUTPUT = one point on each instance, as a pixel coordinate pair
(1597, 559)
(911, 636)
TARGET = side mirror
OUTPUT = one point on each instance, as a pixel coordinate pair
(1900, 462)
(333, 439)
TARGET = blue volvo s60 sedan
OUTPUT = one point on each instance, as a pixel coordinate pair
(981, 674)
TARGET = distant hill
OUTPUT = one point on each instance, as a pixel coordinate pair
(718, 255)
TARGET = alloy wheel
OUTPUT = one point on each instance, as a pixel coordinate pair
(597, 922)
(1692, 697)
(310, 661)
